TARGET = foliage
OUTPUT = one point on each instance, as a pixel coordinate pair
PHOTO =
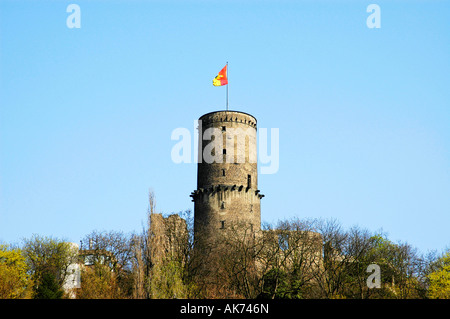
(15, 281)
(99, 282)
(48, 259)
(108, 265)
(48, 287)
(166, 281)
(276, 285)
(290, 260)
(440, 279)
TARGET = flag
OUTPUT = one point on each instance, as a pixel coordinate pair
(221, 78)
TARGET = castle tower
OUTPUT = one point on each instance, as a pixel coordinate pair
(227, 179)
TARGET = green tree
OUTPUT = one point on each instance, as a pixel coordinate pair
(48, 287)
(402, 269)
(440, 279)
(15, 281)
(166, 281)
(275, 285)
(45, 256)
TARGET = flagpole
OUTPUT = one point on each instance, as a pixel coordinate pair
(227, 86)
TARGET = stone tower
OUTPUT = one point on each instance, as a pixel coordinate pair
(227, 178)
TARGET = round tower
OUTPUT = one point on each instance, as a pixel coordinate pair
(227, 179)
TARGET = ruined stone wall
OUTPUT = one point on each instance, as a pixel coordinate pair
(168, 237)
(295, 247)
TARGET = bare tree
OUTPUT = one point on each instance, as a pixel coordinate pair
(139, 269)
(114, 250)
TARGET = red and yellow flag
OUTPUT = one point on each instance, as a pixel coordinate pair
(221, 78)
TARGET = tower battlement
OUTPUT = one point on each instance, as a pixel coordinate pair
(229, 116)
(213, 190)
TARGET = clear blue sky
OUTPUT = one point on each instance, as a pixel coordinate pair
(86, 114)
